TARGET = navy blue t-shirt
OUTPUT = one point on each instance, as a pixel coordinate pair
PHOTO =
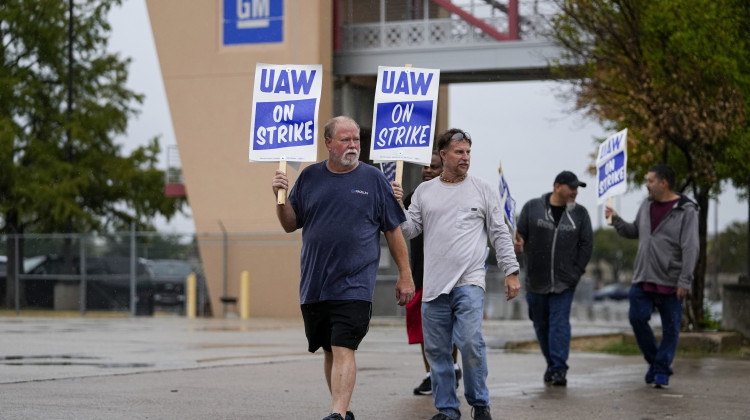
(341, 216)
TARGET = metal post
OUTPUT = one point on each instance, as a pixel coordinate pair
(244, 299)
(224, 271)
(16, 298)
(69, 110)
(382, 23)
(426, 20)
(715, 282)
(82, 273)
(513, 31)
(190, 292)
(132, 269)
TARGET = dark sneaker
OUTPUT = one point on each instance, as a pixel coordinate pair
(558, 378)
(548, 377)
(650, 375)
(425, 388)
(349, 416)
(458, 376)
(661, 381)
(480, 413)
(440, 416)
(333, 416)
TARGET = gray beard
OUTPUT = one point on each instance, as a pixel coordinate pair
(346, 161)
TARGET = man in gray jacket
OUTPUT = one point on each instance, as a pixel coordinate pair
(556, 240)
(667, 230)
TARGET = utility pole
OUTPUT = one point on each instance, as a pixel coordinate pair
(68, 239)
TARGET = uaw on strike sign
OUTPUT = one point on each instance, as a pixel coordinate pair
(284, 125)
(611, 164)
(404, 115)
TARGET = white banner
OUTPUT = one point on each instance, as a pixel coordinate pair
(403, 122)
(284, 124)
(611, 167)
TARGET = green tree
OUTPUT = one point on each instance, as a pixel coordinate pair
(676, 73)
(153, 246)
(617, 251)
(732, 249)
(62, 171)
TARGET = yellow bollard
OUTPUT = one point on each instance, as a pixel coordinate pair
(245, 295)
(190, 296)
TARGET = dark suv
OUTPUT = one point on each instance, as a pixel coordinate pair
(107, 282)
(169, 277)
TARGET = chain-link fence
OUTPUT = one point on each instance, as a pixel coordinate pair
(132, 272)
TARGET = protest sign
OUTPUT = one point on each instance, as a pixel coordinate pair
(611, 166)
(389, 170)
(284, 125)
(404, 116)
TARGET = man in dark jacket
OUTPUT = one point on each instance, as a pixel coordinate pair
(556, 240)
(667, 230)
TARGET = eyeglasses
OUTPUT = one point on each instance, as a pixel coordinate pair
(461, 135)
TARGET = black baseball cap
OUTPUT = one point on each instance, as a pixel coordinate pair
(570, 179)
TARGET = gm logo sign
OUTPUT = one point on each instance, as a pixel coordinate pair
(253, 21)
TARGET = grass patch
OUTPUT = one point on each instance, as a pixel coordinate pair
(619, 348)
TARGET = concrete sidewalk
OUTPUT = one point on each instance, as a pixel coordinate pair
(176, 368)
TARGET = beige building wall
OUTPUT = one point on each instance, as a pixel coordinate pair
(209, 89)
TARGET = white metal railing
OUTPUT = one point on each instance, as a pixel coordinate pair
(173, 174)
(452, 31)
(417, 34)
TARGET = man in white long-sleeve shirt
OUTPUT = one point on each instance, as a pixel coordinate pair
(456, 213)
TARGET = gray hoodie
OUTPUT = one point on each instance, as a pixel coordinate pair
(666, 257)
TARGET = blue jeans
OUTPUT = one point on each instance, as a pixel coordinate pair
(642, 304)
(456, 318)
(551, 316)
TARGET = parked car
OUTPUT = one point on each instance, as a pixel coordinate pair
(612, 292)
(107, 282)
(28, 263)
(169, 278)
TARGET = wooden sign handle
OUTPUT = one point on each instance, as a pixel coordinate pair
(609, 204)
(399, 171)
(400, 163)
(281, 195)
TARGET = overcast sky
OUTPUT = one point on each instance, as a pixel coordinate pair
(524, 125)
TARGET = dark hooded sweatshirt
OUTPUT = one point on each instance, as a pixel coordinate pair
(556, 255)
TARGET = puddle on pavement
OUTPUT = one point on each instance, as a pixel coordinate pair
(65, 360)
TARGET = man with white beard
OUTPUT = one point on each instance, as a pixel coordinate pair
(341, 207)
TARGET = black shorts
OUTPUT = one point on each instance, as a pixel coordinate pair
(341, 323)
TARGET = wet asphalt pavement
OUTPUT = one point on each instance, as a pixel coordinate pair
(177, 368)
